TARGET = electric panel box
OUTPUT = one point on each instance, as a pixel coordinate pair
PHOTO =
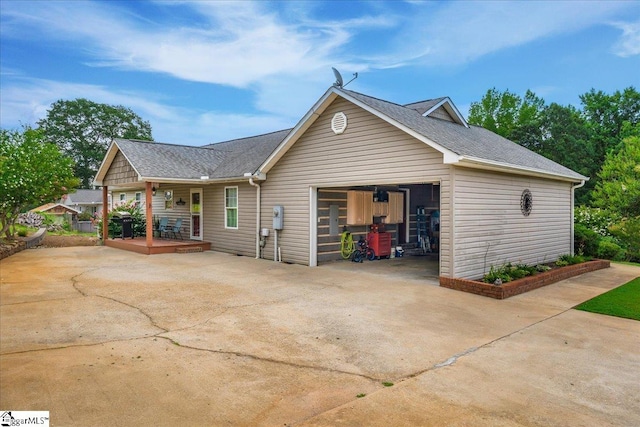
(278, 217)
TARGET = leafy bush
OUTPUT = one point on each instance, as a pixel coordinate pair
(585, 240)
(508, 272)
(628, 232)
(608, 248)
(115, 229)
(85, 216)
(566, 259)
(595, 219)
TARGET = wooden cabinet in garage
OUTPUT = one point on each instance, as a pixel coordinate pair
(359, 207)
(380, 209)
(396, 208)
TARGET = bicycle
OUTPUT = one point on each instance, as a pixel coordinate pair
(356, 252)
(363, 251)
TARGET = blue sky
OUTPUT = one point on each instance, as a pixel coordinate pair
(202, 72)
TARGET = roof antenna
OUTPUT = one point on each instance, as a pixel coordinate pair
(339, 82)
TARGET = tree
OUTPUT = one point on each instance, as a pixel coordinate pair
(611, 118)
(567, 139)
(508, 115)
(32, 172)
(84, 129)
(619, 186)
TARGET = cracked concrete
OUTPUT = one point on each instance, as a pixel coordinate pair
(214, 339)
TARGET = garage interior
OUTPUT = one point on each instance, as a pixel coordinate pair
(400, 222)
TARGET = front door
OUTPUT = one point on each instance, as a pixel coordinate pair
(195, 208)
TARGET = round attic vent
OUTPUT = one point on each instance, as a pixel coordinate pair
(339, 123)
(526, 202)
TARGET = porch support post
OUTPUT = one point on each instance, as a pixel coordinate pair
(149, 213)
(105, 213)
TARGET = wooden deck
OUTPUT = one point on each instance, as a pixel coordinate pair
(159, 246)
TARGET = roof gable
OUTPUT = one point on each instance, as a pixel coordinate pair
(459, 143)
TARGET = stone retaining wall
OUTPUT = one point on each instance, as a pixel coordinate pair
(525, 284)
(23, 243)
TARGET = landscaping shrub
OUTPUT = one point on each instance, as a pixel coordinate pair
(585, 240)
(609, 249)
(628, 232)
(139, 222)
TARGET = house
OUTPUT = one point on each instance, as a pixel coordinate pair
(419, 171)
(57, 209)
(83, 200)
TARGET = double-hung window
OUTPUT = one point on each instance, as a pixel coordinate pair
(231, 207)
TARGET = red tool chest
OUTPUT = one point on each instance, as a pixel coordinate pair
(380, 243)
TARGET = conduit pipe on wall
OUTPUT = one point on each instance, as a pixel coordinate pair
(257, 215)
(573, 196)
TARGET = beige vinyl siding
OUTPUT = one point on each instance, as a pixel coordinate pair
(441, 113)
(369, 152)
(177, 211)
(241, 241)
(489, 223)
(120, 172)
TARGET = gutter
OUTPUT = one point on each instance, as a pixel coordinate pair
(475, 162)
(255, 184)
(572, 233)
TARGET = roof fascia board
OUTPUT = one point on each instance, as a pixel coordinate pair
(477, 163)
(451, 109)
(312, 115)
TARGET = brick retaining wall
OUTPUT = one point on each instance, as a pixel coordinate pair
(525, 284)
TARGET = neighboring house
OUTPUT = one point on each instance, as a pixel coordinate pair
(60, 211)
(84, 201)
(353, 160)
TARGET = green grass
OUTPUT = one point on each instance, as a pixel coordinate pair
(623, 301)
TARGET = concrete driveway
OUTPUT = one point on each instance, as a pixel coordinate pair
(99, 336)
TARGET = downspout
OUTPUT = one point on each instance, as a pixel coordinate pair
(257, 216)
(573, 196)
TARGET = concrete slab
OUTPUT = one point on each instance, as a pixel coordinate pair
(215, 339)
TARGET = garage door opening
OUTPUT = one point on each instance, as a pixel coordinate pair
(401, 222)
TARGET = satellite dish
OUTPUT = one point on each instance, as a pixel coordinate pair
(339, 81)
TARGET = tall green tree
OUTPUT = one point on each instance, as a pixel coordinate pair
(566, 139)
(619, 186)
(611, 118)
(32, 172)
(84, 129)
(509, 115)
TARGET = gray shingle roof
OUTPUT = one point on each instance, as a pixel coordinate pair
(229, 159)
(234, 158)
(84, 196)
(473, 141)
(423, 106)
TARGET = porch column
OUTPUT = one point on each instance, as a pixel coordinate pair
(149, 213)
(105, 213)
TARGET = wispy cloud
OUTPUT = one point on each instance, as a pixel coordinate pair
(454, 33)
(281, 53)
(629, 42)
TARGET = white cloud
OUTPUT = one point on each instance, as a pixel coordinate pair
(456, 33)
(629, 42)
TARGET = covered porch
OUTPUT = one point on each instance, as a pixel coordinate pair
(157, 246)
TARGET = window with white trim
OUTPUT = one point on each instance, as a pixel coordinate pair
(138, 198)
(123, 197)
(231, 207)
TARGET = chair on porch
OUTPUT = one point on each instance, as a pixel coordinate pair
(163, 226)
(176, 228)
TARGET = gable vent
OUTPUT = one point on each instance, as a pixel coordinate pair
(339, 123)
